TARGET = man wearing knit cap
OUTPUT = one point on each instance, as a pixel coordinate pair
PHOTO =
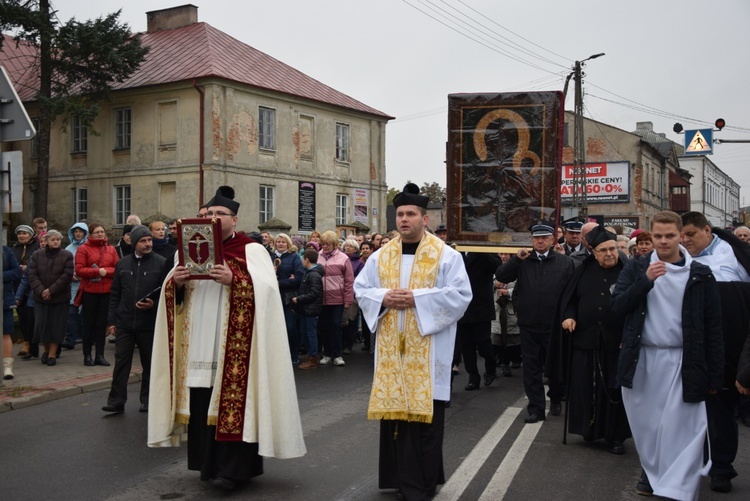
(221, 370)
(413, 291)
(132, 312)
(540, 276)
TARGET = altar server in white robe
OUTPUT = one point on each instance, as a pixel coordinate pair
(671, 360)
(412, 292)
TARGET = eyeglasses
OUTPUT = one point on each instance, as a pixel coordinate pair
(219, 213)
(611, 250)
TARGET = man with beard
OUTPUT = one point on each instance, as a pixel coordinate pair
(585, 351)
(729, 260)
(540, 277)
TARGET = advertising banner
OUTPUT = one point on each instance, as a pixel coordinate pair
(361, 198)
(632, 222)
(306, 222)
(605, 183)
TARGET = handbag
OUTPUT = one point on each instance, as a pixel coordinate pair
(78, 299)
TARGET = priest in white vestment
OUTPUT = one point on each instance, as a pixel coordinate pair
(221, 373)
(412, 291)
(671, 360)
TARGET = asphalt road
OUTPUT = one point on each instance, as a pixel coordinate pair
(68, 449)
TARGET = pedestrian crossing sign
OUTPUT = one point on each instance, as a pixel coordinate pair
(699, 142)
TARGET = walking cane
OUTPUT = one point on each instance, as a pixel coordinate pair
(567, 389)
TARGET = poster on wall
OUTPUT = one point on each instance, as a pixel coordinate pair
(607, 182)
(504, 156)
(306, 223)
(361, 199)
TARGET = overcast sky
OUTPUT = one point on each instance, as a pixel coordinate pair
(666, 60)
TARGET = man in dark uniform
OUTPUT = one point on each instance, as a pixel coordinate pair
(540, 276)
(572, 236)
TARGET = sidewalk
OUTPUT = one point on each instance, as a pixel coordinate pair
(36, 383)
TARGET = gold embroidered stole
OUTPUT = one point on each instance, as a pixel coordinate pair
(402, 386)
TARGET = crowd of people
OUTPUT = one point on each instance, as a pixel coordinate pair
(623, 328)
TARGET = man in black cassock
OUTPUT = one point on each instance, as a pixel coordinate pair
(586, 350)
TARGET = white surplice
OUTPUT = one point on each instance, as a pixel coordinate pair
(669, 433)
(437, 309)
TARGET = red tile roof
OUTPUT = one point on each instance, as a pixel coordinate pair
(22, 66)
(199, 51)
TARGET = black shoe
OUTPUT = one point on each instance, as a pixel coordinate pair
(471, 386)
(745, 418)
(44, 358)
(144, 408)
(721, 483)
(67, 346)
(555, 409)
(29, 356)
(99, 360)
(88, 361)
(643, 487)
(113, 409)
(616, 447)
(489, 378)
(533, 418)
(51, 361)
(224, 483)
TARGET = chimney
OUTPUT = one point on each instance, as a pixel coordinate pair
(169, 19)
(649, 126)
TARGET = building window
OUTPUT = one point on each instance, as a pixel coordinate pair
(80, 204)
(80, 135)
(122, 204)
(342, 142)
(167, 126)
(342, 209)
(35, 141)
(123, 126)
(266, 203)
(267, 128)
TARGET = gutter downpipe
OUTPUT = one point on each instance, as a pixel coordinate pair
(201, 151)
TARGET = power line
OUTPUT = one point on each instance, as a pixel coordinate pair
(480, 42)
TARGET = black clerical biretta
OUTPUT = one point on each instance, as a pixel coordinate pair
(225, 198)
(599, 235)
(411, 196)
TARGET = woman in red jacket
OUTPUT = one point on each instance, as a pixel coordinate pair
(95, 264)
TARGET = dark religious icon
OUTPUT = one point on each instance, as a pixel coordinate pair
(503, 165)
(199, 246)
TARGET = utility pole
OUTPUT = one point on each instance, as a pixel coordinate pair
(580, 200)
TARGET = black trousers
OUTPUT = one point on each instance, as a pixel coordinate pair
(238, 461)
(473, 337)
(26, 316)
(125, 343)
(534, 351)
(722, 431)
(411, 455)
(95, 307)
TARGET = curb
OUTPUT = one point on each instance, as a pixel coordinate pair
(62, 389)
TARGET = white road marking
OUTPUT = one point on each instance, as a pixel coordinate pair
(461, 478)
(498, 485)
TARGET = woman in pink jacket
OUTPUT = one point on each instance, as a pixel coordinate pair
(338, 294)
(95, 264)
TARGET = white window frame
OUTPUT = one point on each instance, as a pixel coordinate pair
(123, 127)
(342, 209)
(80, 204)
(122, 203)
(342, 142)
(266, 128)
(79, 134)
(266, 199)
